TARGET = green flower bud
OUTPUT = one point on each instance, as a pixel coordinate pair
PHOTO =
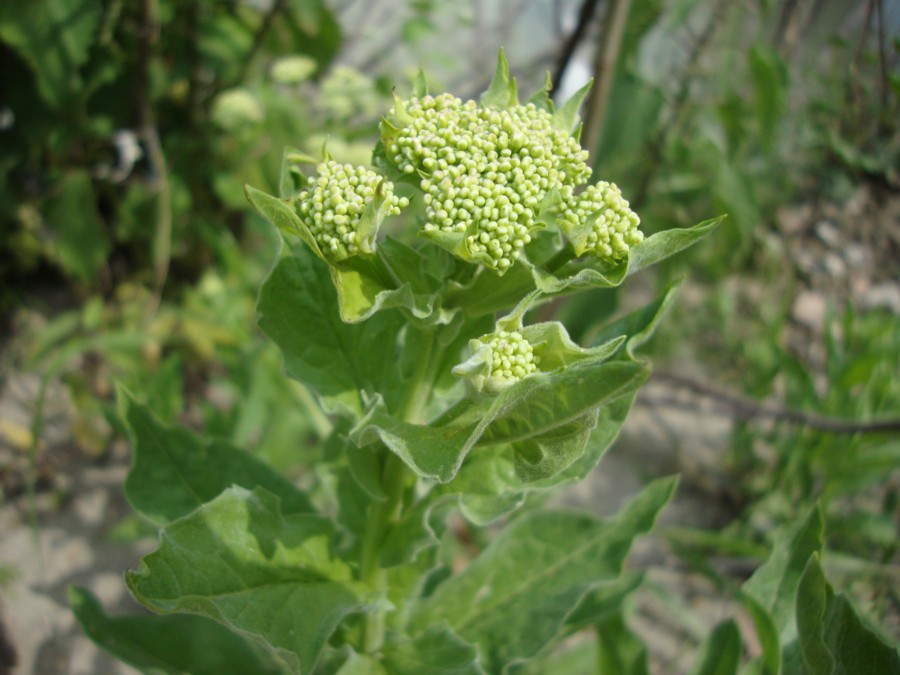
(348, 94)
(236, 108)
(484, 171)
(498, 361)
(293, 69)
(344, 207)
(599, 221)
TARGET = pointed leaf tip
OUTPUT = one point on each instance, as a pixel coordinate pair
(502, 92)
(566, 117)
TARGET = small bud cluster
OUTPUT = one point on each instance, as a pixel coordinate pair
(512, 357)
(613, 225)
(485, 171)
(238, 108)
(347, 94)
(332, 208)
(293, 69)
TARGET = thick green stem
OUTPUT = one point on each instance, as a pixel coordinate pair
(383, 516)
(395, 478)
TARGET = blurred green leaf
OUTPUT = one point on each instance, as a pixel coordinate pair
(79, 233)
(720, 653)
(54, 37)
(621, 652)
(770, 88)
(832, 636)
(774, 585)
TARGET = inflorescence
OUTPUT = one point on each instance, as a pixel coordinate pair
(333, 206)
(613, 226)
(485, 172)
(511, 358)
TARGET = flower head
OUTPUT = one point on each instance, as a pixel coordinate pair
(499, 360)
(600, 221)
(344, 206)
(485, 172)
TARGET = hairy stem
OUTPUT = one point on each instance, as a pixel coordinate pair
(395, 479)
(382, 516)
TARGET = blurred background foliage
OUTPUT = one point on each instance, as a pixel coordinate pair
(129, 254)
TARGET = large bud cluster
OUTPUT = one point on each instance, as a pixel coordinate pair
(333, 207)
(511, 358)
(600, 221)
(484, 171)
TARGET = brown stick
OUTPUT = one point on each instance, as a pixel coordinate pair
(747, 409)
(162, 238)
(585, 16)
(604, 71)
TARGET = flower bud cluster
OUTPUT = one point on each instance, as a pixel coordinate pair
(512, 357)
(348, 94)
(484, 171)
(332, 208)
(613, 226)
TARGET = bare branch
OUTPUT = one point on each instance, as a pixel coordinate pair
(747, 409)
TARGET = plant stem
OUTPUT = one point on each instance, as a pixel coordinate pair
(395, 478)
(382, 516)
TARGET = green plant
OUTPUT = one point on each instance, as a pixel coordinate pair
(435, 407)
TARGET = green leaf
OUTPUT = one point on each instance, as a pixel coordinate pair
(366, 285)
(281, 214)
(720, 653)
(418, 530)
(639, 325)
(546, 455)
(171, 644)
(420, 86)
(566, 116)
(502, 91)
(242, 562)
(604, 601)
(541, 98)
(610, 420)
(437, 651)
(590, 272)
(487, 486)
(527, 411)
(515, 597)
(831, 635)
(813, 597)
(488, 293)
(770, 88)
(292, 180)
(55, 39)
(545, 402)
(298, 308)
(361, 664)
(659, 246)
(769, 662)
(174, 471)
(80, 237)
(774, 585)
(620, 650)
